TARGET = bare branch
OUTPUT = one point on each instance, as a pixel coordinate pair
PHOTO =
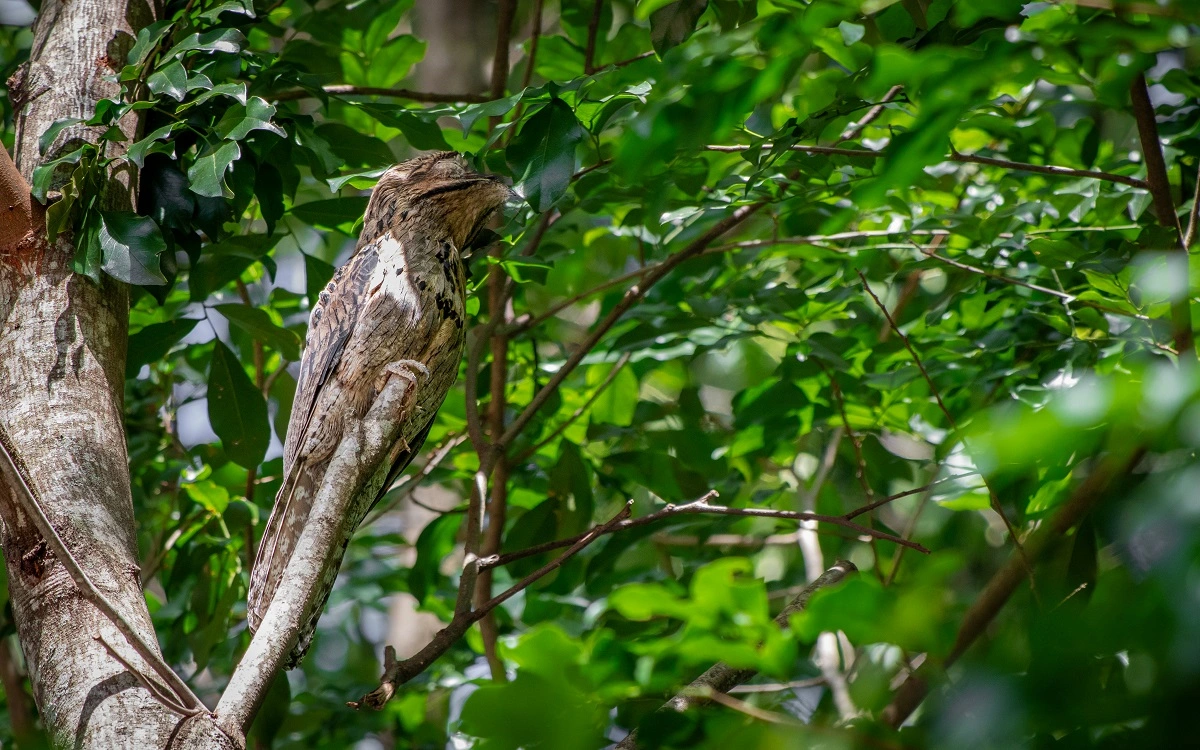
(593, 29)
(914, 491)
(954, 156)
(412, 481)
(855, 130)
(397, 673)
(28, 503)
(1164, 207)
(416, 96)
(1189, 236)
(721, 678)
(1002, 585)
(1064, 296)
(534, 36)
(504, 22)
(702, 506)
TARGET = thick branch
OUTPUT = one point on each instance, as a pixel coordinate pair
(721, 677)
(354, 464)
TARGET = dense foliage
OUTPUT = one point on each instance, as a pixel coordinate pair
(901, 307)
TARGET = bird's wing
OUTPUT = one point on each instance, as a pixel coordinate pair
(331, 325)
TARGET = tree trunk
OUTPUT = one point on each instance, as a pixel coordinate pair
(62, 363)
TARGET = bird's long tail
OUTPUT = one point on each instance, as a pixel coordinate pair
(283, 529)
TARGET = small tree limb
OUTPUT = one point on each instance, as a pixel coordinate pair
(996, 593)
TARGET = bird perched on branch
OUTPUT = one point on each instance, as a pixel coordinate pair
(396, 308)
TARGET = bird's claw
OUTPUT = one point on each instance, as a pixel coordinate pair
(408, 369)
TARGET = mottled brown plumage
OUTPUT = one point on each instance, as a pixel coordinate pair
(395, 309)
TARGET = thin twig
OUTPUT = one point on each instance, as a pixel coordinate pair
(599, 391)
(30, 505)
(397, 672)
(632, 295)
(413, 481)
(593, 29)
(702, 506)
(347, 90)
(1064, 296)
(995, 501)
(955, 156)
(481, 335)
(860, 463)
(1189, 236)
(160, 693)
(914, 491)
(871, 116)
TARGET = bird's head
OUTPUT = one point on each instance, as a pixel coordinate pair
(437, 191)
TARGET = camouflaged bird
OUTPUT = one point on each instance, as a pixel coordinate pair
(395, 308)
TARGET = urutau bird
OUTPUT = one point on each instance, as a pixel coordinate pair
(396, 308)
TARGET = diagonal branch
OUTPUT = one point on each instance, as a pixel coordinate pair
(702, 506)
(1002, 585)
(28, 503)
(632, 296)
(360, 461)
(396, 673)
(1012, 532)
(1164, 208)
(597, 393)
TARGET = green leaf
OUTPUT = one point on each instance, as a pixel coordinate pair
(236, 409)
(171, 79)
(147, 38)
(240, 121)
(258, 324)
(154, 341)
(220, 40)
(151, 144)
(420, 132)
(130, 247)
(618, 402)
(543, 154)
(672, 24)
(234, 7)
(523, 271)
(52, 132)
(207, 175)
(333, 213)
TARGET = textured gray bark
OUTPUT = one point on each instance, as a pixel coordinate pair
(62, 374)
(62, 366)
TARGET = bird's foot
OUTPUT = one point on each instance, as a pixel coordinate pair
(409, 370)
